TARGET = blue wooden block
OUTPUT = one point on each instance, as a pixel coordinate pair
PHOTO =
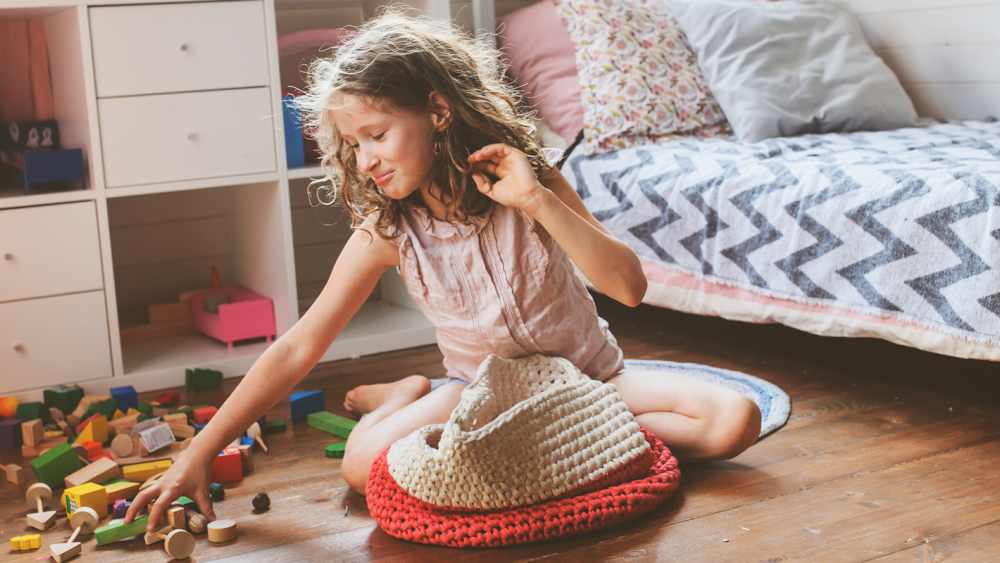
(244, 441)
(306, 403)
(294, 150)
(126, 398)
(53, 166)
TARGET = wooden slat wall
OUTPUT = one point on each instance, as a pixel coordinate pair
(945, 52)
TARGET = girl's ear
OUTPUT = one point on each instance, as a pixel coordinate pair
(440, 111)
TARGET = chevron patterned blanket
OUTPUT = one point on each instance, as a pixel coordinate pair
(898, 225)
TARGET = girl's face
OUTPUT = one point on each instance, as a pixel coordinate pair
(393, 146)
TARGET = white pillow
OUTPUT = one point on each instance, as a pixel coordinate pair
(793, 67)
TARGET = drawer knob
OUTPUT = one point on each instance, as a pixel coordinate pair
(8, 256)
(193, 137)
(18, 347)
(184, 46)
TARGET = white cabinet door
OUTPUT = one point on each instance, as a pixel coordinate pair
(49, 250)
(163, 48)
(174, 137)
(53, 340)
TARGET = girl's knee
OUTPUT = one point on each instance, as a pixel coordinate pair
(737, 427)
(356, 465)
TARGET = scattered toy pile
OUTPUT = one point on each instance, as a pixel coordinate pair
(105, 449)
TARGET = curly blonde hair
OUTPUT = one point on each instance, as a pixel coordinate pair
(399, 60)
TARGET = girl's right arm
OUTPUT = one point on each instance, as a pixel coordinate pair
(364, 259)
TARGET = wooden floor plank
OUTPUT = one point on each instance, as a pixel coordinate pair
(873, 431)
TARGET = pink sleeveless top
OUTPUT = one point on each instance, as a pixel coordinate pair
(500, 286)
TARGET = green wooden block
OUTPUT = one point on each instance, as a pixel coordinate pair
(53, 466)
(120, 530)
(108, 408)
(329, 422)
(197, 379)
(276, 425)
(29, 411)
(63, 397)
(188, 411)
(145, 408)
(336, 450)
(113, 481)
(187, 503)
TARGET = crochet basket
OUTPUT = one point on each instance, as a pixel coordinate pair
(534, 450)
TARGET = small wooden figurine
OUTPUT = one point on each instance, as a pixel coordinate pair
(83, 521)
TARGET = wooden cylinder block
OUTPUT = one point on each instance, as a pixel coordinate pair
(221, 531)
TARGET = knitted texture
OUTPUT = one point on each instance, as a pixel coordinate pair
(526, 431)
(408, 518)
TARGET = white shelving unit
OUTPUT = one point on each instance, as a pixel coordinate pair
(160, 231)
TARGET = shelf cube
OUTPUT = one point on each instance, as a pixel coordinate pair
(305, 403)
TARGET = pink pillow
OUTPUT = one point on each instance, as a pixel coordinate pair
(543, 61)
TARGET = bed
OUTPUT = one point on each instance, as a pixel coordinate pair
(892, 233)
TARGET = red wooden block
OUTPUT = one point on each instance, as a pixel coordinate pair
(94, 450)
(202, 416)
(168, 398)
(227, 467)
(83, 424)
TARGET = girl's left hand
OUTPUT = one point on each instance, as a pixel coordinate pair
(517, 185)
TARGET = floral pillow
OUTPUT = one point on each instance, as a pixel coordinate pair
(640, 80)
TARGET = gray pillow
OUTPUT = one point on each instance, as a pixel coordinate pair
(792, 67)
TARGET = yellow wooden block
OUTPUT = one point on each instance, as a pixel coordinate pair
(122, 491)
(85, 435)
(142, 471)
(132, 412)
(100, 429)
(24, 543)
(88, 494)
(118, 414)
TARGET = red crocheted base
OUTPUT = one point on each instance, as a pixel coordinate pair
(406, 517)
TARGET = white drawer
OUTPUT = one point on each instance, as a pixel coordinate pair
(173, 137)
(48, 251)
(45, 342)
(162, 48)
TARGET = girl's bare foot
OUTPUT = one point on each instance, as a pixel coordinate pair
(366, 398)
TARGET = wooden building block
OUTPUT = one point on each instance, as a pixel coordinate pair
(125, 490)
(65, 551)
(53, 466)
(202, 416)
(63, 397)
(28, 452)
(90, 495)
(177, 517)
(10, 434)
(32, 432)
(171, 453)
(329, 422)
(198, 379)
(29, 411)
(176, 418)
(120, 530)
(122, 445)
(152, 537)
(42, 520)
(246, 457)
(336, 450)
(94, 449)
(227, 466)
(182, 430)
(15, 474)
(125, 397)
(306, 403)
(179, 544)
(24, 543)
(142, 471)
(100, 471)
(221, 531)
(98, 430)
(276, 425)
(168, 398)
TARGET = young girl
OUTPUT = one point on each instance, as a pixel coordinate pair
(431, 153)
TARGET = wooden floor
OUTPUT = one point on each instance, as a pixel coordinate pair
(890, 455)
